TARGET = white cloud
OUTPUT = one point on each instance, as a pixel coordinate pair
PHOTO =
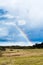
(9, 23)
(7, 3)
(16, 43)
(21, 22)
(8, 16)
(3, 32)
(31, 9)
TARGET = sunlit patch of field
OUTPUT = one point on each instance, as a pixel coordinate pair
(22, 57)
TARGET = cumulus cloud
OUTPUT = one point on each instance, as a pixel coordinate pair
(8, 16)
(9, 23)
(21, 22)
(3, 32)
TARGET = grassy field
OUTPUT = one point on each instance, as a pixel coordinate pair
(22, 57)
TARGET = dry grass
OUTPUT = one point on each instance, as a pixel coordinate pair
(24, 52)
(22, 57)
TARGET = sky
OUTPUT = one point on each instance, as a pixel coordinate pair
(21, 21)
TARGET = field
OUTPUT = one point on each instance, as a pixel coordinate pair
(22, 57)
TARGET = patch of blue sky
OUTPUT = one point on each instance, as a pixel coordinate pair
(2, 12)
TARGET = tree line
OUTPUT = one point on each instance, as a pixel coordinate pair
(3, 48)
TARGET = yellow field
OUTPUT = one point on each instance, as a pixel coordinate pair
(22, 57)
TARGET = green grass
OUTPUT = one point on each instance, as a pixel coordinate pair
(29, 57)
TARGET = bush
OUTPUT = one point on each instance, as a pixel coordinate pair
(0, 53)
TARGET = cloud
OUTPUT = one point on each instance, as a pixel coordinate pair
(5, 14)
(9, 23)
(2, 12)
(8, 16)
(7, 3)
(3, 32)
(26, 12)
(16, 43)
(21, 22)
(10, 32)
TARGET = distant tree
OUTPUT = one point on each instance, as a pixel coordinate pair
(2, 48)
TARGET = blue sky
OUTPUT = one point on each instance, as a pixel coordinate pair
(21, 21)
